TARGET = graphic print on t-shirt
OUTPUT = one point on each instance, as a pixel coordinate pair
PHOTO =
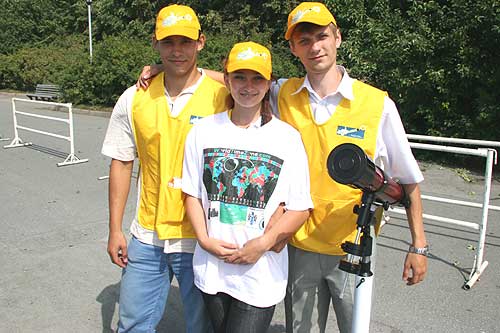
(239, 184)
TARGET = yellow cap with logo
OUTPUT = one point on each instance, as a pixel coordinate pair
(177, 20)
(311, 12)
(250, 55)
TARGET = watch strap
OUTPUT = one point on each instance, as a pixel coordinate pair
(424, 251)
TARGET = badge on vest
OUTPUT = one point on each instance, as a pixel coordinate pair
(175, 182)
(356, 133)
(194, 119)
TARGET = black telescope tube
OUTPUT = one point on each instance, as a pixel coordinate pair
(349, 165)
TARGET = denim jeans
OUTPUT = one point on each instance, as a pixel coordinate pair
(229, 315)
(145, 285)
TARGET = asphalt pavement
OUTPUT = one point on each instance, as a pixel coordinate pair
(55, 275)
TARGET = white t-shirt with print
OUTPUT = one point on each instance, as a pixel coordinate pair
(241, 176)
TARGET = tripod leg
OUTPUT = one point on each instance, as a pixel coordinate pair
(362, 304)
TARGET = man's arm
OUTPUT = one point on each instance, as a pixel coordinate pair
(415, 263)
(401, 164)
(148, 72)
(119, 186)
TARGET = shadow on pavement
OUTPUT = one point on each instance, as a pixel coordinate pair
(108, 298)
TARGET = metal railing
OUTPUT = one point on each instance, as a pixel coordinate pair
(490, 154)
(18, 142)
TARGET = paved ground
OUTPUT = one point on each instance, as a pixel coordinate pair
(55, 275)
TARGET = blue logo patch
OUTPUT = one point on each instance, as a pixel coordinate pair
(350, 132)
(194, 119)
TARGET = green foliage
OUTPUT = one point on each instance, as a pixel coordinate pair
(33, 23)
(116, 65)
(437, 59)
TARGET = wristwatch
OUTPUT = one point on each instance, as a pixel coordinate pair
(424, 251)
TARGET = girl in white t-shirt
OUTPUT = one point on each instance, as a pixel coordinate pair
(240, 167)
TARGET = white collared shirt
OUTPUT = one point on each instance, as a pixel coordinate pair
(393, 153)
(182, 99)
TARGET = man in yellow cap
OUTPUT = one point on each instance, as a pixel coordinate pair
(152, 125)
(330, 108)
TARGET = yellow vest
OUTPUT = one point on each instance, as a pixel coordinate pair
(332, 220)
(160, 140)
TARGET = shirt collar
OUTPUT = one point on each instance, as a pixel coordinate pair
(256, 124)
(344, 88)
(191, 89)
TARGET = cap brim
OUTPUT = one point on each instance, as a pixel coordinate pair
(317, 21)
(259, 69)
(191, 33)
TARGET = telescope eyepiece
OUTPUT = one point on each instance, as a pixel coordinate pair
(346, 163)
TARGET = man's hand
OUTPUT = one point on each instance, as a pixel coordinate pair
(417, 265)
(250, 252)
(218, 248)
(148, 72)
(117, 249)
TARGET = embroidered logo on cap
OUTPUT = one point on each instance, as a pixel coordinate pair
(172, 19)
(249, 54)
(300, 14)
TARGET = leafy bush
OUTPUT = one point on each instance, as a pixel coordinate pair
(116, 64)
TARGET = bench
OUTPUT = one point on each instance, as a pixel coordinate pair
(46, 92)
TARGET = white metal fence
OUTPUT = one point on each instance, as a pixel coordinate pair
(18, 142)
(490, 155)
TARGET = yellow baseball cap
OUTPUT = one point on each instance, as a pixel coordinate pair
(312, 12)
(177, 20)
(250, 55)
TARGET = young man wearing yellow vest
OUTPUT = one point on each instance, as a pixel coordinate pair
(330, 108)
(153, 125)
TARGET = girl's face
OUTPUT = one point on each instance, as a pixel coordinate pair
(247, 87)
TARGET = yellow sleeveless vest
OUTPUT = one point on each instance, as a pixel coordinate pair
(332, 220)
(160, 142)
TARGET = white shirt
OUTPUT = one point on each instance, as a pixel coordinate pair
(393, 153)
(119, 144)
(241, 176)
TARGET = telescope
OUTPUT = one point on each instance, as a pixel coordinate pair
(348, 164)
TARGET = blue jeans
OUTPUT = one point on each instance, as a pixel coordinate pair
(145, 285)
(229, 315)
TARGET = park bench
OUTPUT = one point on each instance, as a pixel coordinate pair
(46, 92)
